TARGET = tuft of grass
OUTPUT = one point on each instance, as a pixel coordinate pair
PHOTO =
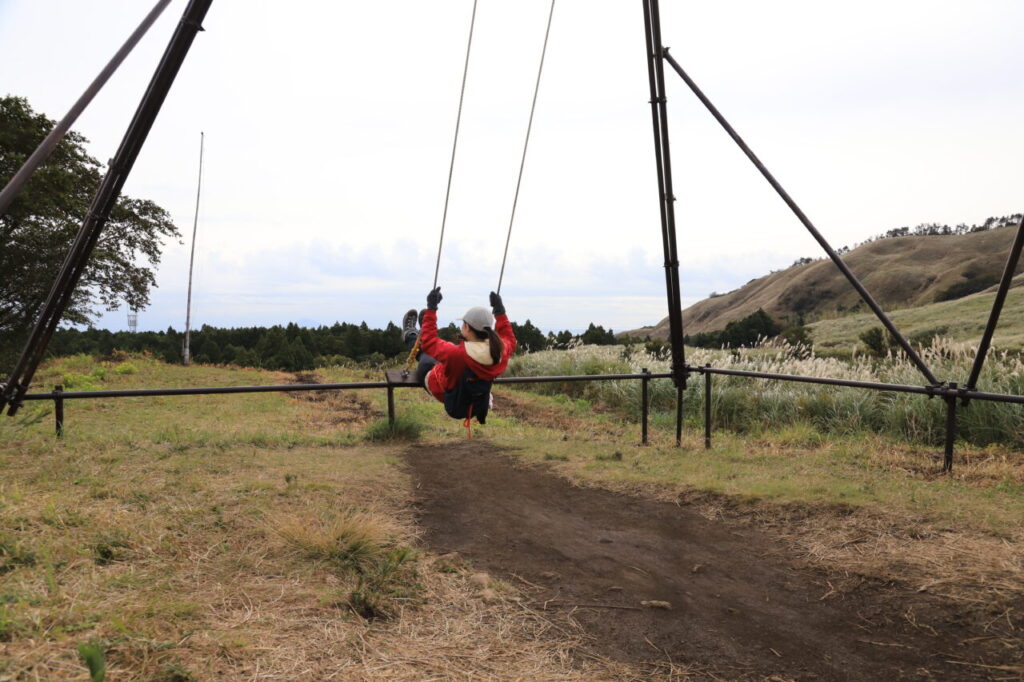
(13, 555)
(174, 672)
(125, 368)
(352, 539)
(9, 627)
(95, 659)
(404, 428)
(110, 547)
(365, 545)
(385, 583)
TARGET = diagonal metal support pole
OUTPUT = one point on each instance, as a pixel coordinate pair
(867, 298)
(46, 147)
(666, 197)
(106, 196)
(997, 306)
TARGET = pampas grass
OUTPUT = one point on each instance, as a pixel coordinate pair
(749, 405)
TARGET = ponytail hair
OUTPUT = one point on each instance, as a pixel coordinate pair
(497, 346)
(495, 342)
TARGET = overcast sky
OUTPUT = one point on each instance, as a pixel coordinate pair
(329, 128)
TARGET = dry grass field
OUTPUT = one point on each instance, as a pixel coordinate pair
(277, 536)
(236, 537)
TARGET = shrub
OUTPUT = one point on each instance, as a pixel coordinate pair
(874, 341)
(973, 284)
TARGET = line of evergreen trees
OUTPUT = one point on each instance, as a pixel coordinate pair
(745, 332)
(926, 230)
(291, 348)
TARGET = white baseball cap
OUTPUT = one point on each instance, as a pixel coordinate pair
(478, 317)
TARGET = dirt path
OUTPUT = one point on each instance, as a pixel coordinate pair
(740, 609)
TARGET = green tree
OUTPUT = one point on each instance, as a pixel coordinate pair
(300, 355)
(745, 332)
(41, 223)
(596, 334)
(874, 341)
(212, 352)
(529, 339)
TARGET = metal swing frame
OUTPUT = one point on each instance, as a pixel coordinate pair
(14, 392)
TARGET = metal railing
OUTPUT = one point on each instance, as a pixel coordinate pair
(950, 393)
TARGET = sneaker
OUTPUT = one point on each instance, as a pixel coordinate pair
(409, 331)
(422, 313)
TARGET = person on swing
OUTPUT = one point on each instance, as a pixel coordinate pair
(446, 369)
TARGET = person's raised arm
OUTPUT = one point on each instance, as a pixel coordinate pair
(503, 326)
(430, 343)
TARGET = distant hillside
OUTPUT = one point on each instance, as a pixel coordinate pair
(901, 272)
(961, 320)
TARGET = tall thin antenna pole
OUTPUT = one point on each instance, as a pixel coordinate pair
(185, 357)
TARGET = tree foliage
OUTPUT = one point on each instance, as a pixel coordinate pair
(528, 337)
(40, 225)
(745, 332)
(289, 348)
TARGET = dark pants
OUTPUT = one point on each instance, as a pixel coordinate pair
(426, 364)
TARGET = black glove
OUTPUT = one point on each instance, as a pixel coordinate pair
(433, 298)
(497, 307)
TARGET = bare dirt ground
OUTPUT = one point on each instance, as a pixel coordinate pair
(339, 407)
(740, 603)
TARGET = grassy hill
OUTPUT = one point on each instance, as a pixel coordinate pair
(962, 319)
(901, 273)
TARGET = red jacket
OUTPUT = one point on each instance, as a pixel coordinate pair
(454, 359)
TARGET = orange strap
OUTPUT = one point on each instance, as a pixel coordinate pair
(468, 423)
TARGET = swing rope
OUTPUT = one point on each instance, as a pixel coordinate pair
(455, 143)
(526, 144)
(414, 351)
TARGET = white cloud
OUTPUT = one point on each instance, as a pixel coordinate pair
(329, 132)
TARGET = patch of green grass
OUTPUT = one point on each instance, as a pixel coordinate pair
(174, 672)
(111, 546)
(172, 609)
(94, 656)
(125, 368)
(9, 627)
(13, 555)
(406, 428)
